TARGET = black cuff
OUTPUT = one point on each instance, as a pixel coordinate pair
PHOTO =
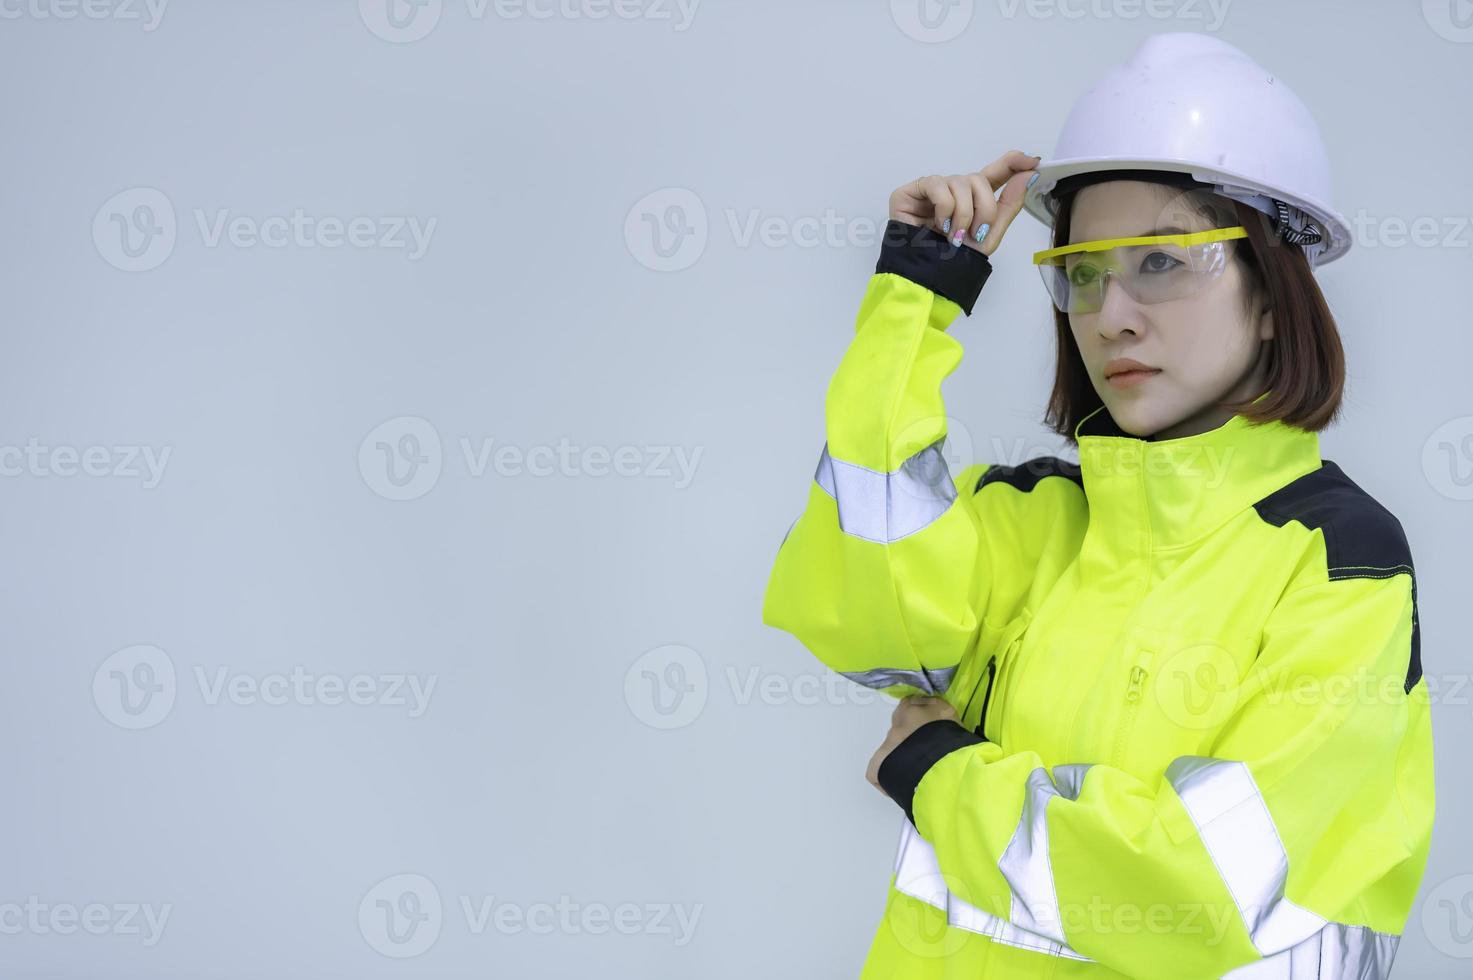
(927, 258)
(916, 754)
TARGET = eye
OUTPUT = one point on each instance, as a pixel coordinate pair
(1159, 262)
(1083, 274)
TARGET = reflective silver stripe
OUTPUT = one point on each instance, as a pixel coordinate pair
(918, 875)
(885, 507)
(1236, 828)
(1357, 951)
(1025, 861)
(932, 681)
(1336, 951)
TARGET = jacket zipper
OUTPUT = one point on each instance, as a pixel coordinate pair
(1134, 695)
(1003, 676)
(997, 677)
(986, 696)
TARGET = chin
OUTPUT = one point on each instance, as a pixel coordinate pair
(1132, 416)
(1135, 417)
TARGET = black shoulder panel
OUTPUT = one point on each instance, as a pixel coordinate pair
(1025, 475)
(1362, 538)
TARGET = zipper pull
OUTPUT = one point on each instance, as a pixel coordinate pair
(987, 696)
(1137, 678)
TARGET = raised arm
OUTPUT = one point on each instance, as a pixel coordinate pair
(886, 572)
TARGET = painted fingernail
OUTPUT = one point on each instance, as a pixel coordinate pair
(982, 231)
(946, 225)
(957, 238)
(1032, 179)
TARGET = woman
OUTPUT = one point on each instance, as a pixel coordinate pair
(1161, 712)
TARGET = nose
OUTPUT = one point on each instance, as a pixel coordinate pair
(1118, 310)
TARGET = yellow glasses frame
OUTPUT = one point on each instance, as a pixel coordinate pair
(1048, 255)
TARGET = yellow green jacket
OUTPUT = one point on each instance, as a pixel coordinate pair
(1194, 736)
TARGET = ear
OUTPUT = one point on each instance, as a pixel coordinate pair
(1266, 325)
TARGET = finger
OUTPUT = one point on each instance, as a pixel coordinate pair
(961, 217)
(941, 199)
(1009, 204)
(1014, 161)
(912, 199)
(984, 207)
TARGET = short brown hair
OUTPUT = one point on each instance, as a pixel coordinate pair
(1306, 372)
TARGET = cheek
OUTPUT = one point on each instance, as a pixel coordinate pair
(1082, 330)
(1212, 338)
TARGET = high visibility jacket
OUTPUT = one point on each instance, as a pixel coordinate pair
(1194, 737)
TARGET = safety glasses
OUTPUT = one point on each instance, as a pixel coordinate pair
(1150, 268)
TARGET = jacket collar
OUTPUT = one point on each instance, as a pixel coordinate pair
(1147, 495)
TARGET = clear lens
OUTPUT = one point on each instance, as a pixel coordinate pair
(1154, 273)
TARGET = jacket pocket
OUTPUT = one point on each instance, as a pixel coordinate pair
(1176, 689)
(983, 714)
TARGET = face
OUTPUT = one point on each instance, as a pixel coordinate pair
(1204, 348)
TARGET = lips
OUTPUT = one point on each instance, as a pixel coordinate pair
(1121, 365)
(1125, 379)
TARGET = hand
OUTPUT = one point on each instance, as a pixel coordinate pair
(957, 206)
(911, 713)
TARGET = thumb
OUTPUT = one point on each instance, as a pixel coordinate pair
(1009, 203)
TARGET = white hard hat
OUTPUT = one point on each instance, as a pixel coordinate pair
(1193, 104)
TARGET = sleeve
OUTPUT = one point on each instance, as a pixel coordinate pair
(1311, 813)
(882, 575)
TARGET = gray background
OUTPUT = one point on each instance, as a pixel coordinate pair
(554, 760)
